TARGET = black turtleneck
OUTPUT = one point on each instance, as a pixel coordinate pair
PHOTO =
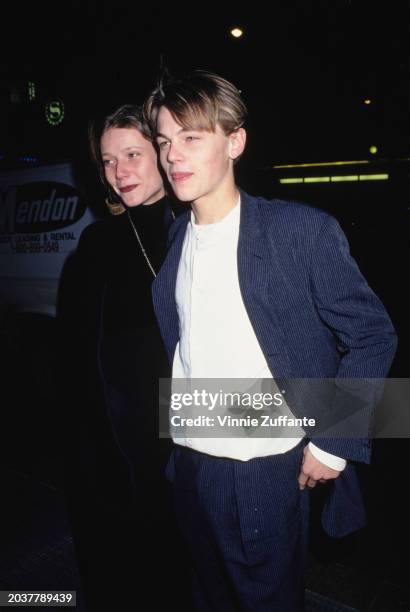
(108, 299)
(131, 347)
(128, 299)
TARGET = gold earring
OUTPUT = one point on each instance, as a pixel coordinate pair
(114, 208)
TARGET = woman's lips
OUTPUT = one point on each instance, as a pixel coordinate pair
(127, 189)
(180, 176)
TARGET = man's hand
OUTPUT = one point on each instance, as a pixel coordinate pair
(313, 471)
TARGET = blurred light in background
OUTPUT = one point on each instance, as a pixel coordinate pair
(236, 32)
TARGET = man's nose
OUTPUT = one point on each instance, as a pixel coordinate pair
(173, 153)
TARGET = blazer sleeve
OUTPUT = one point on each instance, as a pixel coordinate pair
(366, 339)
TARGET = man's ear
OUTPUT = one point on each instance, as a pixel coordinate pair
(237, 141)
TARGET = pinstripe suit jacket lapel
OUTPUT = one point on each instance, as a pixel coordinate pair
(259, 266)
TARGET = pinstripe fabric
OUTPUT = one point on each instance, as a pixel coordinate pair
(312, 312)
(245, 524)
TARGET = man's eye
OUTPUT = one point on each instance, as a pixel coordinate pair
(191, 138)
(135, 154)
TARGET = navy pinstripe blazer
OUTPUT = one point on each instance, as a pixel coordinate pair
(312, 312)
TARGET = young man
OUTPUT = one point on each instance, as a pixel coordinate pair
(254, 289)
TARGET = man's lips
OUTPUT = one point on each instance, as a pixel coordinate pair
(127, 188)
(180, 176)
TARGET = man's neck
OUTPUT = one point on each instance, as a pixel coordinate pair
(215, 207)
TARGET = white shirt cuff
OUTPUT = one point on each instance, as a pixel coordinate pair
(332, 461)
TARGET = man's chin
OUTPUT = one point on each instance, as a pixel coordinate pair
(183, 197)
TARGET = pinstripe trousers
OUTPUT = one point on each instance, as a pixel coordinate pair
(245, 524)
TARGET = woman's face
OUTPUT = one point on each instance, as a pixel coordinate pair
(130, 166)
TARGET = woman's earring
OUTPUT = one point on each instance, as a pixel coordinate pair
(113, 201)
(114, 208)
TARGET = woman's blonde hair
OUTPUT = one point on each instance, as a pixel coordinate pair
(126, 116)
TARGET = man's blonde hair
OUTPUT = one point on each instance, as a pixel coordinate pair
(200, 100)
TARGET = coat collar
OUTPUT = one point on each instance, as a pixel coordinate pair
(250, 231)
(250, 234)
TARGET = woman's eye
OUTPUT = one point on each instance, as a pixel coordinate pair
(108, 162)
(162, 143)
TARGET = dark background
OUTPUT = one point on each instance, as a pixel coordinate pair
(304, 68)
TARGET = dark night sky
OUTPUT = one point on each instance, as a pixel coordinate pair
(304, 68)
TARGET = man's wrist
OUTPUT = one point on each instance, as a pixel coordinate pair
(332, 461)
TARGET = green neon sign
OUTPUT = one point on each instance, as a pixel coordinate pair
(54, 112)
(31, 91)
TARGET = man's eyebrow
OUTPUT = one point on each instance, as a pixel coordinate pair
(181, 131)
